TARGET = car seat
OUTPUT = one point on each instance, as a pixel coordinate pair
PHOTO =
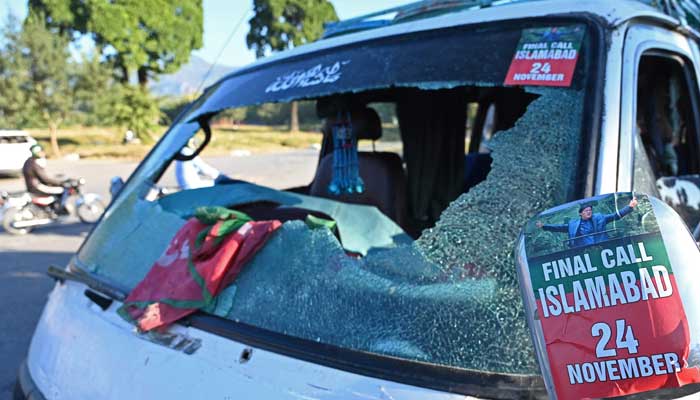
(476, 168)
(382, 172)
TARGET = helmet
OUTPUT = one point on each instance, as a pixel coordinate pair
(36, 149)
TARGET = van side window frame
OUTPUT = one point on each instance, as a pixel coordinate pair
(688, 85)
(643, 40)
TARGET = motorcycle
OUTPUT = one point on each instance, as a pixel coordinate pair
(25, 212)
(12, 199)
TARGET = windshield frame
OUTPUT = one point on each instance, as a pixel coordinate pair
(438, 377)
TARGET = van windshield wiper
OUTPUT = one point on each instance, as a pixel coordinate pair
(61, 275)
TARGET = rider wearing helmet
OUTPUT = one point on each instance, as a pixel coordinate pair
(35, 177)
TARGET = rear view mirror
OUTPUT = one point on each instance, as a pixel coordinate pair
(195, 144)
(611, 287)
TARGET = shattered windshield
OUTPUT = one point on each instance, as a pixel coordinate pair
(419, 264)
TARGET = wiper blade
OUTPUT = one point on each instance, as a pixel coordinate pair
(62, 275)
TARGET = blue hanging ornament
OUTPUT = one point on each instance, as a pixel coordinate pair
(346, 176)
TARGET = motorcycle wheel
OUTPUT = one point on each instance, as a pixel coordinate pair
(15, 214)
(90, 211)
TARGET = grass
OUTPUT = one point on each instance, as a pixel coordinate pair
(106, 142)
(259, 139)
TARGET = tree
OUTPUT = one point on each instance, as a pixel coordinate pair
(145, 37)
(97, 92)
(42, 70)
(136, 110)
(13, 74)
(283, 24)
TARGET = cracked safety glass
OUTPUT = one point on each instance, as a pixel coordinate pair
(428, 279)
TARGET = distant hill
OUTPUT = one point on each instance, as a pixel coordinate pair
(188, 79)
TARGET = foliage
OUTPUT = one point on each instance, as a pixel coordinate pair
(641, 220)
(43, 86)
(233, 115)
(136, 110)
(143, 36)
(278, 113)
(170, 108)
(12, 78)
(96, 92)
(36, 76)
(283, 24)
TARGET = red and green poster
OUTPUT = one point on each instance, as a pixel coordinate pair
(546, 56)
(606, 300)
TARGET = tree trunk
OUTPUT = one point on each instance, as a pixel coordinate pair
(53, 132)
(143, 76)
(125, 74)
(294, 117)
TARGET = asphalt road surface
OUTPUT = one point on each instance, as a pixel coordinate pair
(24, 284)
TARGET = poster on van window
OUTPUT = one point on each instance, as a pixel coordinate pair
(546, 56)
(607, 300)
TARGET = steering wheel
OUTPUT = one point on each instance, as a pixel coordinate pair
(207, 137)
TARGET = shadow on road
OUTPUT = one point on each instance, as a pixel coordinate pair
(30, 262)
(24, 287)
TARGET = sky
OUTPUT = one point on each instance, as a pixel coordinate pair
(222, 16)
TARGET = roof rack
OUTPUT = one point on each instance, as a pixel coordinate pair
(411, 11)
(686, 11)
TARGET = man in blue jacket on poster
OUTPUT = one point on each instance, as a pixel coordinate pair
(590, 228)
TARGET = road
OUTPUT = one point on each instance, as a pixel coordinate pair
(24, 284)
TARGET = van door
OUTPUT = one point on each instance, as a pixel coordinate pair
(659, 136)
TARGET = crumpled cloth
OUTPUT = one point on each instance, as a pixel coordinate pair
(205, 256)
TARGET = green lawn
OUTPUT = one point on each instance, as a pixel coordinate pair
(106, 142)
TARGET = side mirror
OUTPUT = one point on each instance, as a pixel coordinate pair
(611, 287)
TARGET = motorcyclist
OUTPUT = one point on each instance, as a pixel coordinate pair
(36, 179)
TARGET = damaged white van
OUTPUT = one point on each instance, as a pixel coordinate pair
(504, 109)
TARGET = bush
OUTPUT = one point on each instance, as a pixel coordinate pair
(138, 111)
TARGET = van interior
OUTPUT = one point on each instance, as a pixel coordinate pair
(436, 149)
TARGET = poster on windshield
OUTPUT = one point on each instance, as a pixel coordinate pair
(546, 56)
(606, 299)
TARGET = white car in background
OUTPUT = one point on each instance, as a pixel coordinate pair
(14, 151)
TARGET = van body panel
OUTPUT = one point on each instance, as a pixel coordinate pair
(75, 341)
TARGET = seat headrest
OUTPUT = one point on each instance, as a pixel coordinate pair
(365, 123)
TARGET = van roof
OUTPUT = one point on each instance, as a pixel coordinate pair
(614, 13)
(11, 132)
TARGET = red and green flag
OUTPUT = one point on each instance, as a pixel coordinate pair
(205, 256)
